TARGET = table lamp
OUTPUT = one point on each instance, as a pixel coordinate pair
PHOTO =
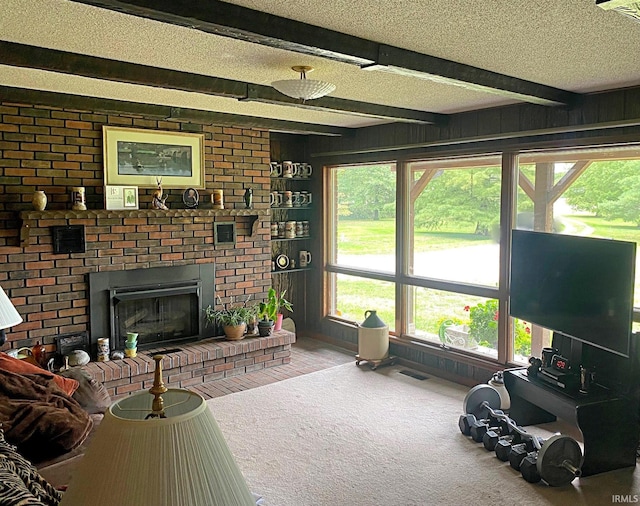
(9, 316)
(160, 450)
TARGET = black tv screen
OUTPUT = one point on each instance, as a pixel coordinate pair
(579, 286)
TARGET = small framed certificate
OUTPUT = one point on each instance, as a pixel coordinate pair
(120, 197)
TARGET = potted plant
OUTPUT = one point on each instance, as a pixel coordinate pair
(232, 318)
(272, 308)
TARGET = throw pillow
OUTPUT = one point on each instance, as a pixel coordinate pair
(90, 394)
(15, 365)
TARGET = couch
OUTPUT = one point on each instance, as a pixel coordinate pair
(46, 420)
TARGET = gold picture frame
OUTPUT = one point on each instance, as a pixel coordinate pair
(139, 157)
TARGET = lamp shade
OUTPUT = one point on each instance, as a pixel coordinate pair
(303, 88)
(9, 316)
(179, 460)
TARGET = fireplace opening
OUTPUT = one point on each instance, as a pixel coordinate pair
(162, 305)
(156, 315)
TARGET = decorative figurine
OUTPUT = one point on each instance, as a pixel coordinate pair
(159, 200)
(248, 198)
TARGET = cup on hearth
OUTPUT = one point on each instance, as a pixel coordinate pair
(287, 169)
(281, 230)
(287, 200)
(132, 339)
(290, 230)
(304, 258)
(274, 230)
(103, 349)
(217, 199)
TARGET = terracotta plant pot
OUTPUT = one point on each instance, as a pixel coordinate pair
(278, 325)
(234, 332)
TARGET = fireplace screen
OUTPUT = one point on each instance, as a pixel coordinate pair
(167, 314)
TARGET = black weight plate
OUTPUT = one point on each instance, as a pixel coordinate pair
(556, 450)
(476, 396)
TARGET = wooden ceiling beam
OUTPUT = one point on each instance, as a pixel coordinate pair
(52, 60)
(80, 102)
(229, 20)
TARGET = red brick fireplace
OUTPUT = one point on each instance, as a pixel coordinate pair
(53, 149)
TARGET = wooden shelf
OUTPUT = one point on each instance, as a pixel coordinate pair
(30, 219)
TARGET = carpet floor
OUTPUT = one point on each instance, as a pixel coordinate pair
(352, 436)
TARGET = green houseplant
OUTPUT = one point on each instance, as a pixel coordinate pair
(232, 318)
(271, 309)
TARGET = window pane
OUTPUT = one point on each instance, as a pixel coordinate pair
(355, 295)
(455, 213)
(456, 320)
(365, 217)
(591, 193)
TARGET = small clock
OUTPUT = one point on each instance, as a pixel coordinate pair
(559, 363)
(190, 198)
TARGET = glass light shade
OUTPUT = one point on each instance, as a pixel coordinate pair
(9, 316)
(304, 89)
(179, 460)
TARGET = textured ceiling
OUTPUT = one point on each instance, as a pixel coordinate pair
(568, 44)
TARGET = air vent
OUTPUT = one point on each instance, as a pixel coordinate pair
(414, 374)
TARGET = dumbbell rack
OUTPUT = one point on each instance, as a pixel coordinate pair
(608, 422)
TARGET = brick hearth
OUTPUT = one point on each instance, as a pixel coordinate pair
(195, 363)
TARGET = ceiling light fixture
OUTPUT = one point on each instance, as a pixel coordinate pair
(303, 88)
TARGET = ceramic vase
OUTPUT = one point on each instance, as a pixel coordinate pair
(39, 200)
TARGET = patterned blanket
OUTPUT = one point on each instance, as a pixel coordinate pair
(20, 483)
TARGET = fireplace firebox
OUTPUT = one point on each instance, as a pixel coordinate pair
(163, 305)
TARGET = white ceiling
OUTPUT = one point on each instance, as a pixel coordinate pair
(568, 44)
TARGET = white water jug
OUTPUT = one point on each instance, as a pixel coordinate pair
(373, 338)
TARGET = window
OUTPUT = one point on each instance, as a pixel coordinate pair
(592, 193)
(419, 241)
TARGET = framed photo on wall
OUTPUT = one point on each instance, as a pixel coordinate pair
(120, 197)
(138, 157)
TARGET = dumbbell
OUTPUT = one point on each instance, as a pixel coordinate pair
(465, 422)
(500, 426)
(557, 460)
(554, 462)
(491, 439)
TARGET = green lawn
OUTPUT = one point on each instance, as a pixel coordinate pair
(365, 237)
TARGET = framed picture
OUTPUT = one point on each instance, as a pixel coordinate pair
(138, 157)
(120, 197)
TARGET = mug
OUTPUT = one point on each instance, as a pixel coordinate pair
(297, 199)
(274, 230)
(305, 198)
(304, 258)
(290, 229)
(275, 199)
(297, 169)
(299, 229)
(275, 169)
(281, 225)
(287, 169)
(287, 200)
(305, 170)
(217, 199)
(305, 228)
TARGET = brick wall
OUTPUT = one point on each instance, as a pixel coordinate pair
(53, 149)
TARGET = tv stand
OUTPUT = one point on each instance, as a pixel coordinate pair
(608, 422)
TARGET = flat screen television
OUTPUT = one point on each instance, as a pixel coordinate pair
(581, 287)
